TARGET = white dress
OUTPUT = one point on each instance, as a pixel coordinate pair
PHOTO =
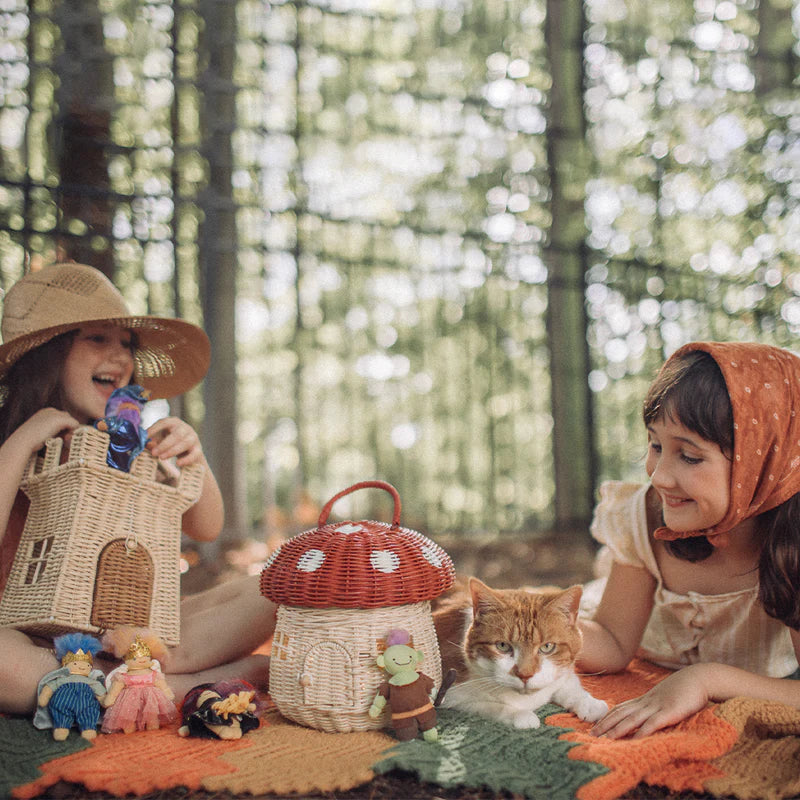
(730, 628)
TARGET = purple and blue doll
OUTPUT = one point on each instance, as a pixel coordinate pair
(122, 422)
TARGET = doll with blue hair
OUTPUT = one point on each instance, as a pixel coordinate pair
(70, 695)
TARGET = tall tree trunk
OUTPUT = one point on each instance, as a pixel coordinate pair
(85, 99)
(218, 247)
(775, 61)
(566, 313)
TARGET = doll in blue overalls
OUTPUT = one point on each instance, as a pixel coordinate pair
(70, 696)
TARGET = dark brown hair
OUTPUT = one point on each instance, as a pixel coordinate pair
(33, 383)
(692, 390)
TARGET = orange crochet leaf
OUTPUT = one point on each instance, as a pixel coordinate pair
(138, 763)
(678, 757)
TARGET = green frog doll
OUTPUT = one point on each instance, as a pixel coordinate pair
(406, 691)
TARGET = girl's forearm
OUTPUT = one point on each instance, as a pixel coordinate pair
(204, 520)
(13, 460)
(723, 682)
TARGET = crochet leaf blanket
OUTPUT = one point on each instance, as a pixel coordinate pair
(741, 748)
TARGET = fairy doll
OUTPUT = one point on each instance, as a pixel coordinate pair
(138, 697)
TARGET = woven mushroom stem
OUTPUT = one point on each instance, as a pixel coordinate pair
(323, 666)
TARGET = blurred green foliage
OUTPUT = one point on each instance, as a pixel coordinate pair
(391, 193)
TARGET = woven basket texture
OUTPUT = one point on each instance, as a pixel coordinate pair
(100, 547)
(323, 670)
(363, 564)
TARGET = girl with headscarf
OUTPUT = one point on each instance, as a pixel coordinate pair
(705, 558)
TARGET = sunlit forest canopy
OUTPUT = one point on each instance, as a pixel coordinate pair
(439, 242)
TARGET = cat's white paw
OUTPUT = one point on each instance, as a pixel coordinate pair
(525, 720)
(591, 709)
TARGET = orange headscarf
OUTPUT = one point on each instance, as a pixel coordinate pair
(764, 388)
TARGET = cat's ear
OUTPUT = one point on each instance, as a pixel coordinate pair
(483, 598)
(568, 602)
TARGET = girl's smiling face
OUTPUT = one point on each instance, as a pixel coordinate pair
(99, 361)
(691, 475)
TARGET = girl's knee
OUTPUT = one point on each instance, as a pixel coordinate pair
(23, 666)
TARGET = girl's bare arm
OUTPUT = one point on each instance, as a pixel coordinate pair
(171, 437)
(18, 448)
(611, 639)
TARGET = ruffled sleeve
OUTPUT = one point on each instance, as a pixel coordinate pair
(620, 523)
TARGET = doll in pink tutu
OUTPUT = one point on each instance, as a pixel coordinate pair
(138, 697)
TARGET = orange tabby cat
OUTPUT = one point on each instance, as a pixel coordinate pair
(513, 651)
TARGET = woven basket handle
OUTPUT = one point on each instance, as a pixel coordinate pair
(323, 517)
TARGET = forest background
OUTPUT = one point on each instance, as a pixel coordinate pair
(444, 243)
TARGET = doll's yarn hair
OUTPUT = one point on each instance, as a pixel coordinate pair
(398, 636)
(223, 689)
(129, 641)
(76, 647)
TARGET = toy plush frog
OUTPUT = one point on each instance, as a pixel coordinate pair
(407, 691)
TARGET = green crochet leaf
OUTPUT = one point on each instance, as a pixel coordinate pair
(473, 751)
(23, 748)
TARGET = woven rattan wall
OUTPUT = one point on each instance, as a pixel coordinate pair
(323, 670)
(79, 506)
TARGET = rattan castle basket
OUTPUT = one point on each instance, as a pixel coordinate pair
(100, 547)
(340, 589)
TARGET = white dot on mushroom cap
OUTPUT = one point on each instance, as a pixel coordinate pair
(384, 560)
(432, 555)
(348, 527)
(311, 560)
(271, 560)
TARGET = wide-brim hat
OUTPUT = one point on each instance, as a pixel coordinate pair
(171, 355)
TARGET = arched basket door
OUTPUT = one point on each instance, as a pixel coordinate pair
(327, 677)
(123, 589)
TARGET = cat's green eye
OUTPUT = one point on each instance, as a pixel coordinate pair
(547, 648)
(503, 647)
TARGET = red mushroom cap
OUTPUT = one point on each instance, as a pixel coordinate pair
(362, 564)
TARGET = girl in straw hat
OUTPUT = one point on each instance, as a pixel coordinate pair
(68, 342)
(705, 576)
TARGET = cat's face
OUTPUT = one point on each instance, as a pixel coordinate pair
(521, 639)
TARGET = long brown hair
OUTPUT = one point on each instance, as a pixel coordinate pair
(692, 390)
(33, 383)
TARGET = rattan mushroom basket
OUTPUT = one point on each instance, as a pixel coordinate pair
(100, 547)
(340, 589)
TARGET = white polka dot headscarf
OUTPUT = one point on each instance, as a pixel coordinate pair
(764, 387)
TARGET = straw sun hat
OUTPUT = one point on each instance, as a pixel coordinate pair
(171, 355)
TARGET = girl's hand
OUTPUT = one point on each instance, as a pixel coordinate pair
(172, 437)
(43, 425)
(678, 696)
